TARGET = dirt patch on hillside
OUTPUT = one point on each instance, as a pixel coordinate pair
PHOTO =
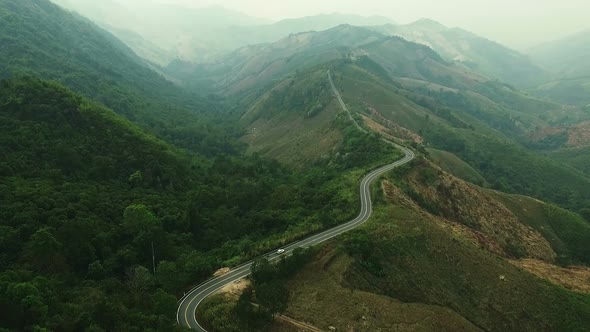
(579, 135)
(576, 136)
(576, 278)
(236, 288)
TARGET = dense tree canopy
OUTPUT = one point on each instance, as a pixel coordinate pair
(86, 195)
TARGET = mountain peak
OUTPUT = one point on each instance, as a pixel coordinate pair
(428, 24)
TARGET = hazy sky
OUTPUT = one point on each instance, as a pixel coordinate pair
(516, 23)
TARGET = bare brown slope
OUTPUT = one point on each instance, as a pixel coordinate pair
(320, 296)
(461, 202)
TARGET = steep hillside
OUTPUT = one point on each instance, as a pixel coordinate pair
(294, 122)
(42, 120)
(143, 47)
(512, 226)
(186, 32)
(412, 66)
(453, 165)
(410, 260)
(447, 270)
(256, 67)
(405, 90)
(474, 52)
(567, 144)
(40, 39)
(88, 198)
(505, 164)
(84, 195)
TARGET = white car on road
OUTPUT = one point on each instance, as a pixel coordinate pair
(280, 251)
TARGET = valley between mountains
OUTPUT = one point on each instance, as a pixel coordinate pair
(417, 177)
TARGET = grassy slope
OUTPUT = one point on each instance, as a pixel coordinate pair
(508, 166)
(521, 226)
(320, 295)
(407, 270)
(452, 164)
(294, 122)
(567, 232)
(402, 255)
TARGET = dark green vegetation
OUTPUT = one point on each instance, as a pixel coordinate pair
(40, 39)
(485, 123)
(503, 162)
(578, 158)
(109, 165)
(405, 257)
(85, 194)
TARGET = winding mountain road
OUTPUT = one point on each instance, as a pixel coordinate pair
(185, 315)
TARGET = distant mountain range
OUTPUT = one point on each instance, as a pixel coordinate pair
(567, 60)
(568, 56)
(391, 83)
(197, 35)
(474, 52)
(207, 34)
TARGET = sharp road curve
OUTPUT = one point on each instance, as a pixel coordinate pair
(185, 315)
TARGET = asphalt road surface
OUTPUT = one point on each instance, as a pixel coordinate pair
(185, 315)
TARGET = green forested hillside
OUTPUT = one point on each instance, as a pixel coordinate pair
(412, 66)
(85, 194)
(485, 123)
(505, 164)
(40, 39)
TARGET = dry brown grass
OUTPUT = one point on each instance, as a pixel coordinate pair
(579, 135)
(396, 196)
(467, 204)
(576, 278)
(320, 298)
(222, 271)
